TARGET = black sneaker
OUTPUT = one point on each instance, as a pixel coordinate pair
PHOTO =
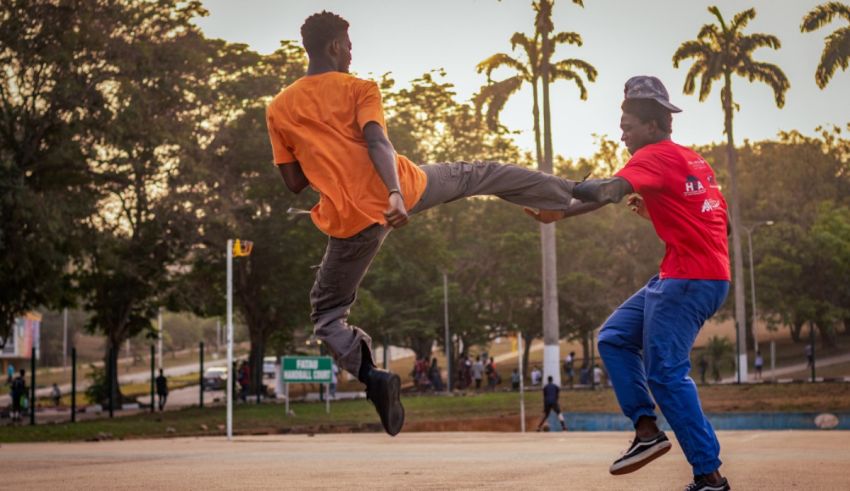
(640, 453)
(701, 484)
(383, 389)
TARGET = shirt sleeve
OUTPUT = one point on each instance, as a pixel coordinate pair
(369, 106)
(280, 149)
(643, 174)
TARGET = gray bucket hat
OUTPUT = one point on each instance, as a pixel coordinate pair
(646, 87)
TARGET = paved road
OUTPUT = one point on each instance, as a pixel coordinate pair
(789, 369)
(754, 461)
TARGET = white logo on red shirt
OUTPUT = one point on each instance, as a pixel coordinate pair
(693, 186)
(710, 205)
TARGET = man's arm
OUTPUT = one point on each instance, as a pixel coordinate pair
(293, 176)
(589, 195)
(383, 157)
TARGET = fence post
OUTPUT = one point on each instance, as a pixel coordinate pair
(111, 375)
(201, 376)
(32, 383)
(73, 385)
(153, 361)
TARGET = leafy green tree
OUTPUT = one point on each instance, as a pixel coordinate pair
(836, 49)
(56, 59)
(144, 226)
(243, 196)
(720, 51)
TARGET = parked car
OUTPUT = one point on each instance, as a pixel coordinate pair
(215, 378)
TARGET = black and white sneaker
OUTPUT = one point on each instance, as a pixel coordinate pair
(640, 453)
(701, 484)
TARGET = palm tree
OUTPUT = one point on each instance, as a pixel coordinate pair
(720, 51)
(836, 49)
(539, 68)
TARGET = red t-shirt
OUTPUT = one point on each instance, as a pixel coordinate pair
(686, 207)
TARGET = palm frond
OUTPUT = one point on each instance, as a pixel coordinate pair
(529, 45)
(499, 60)
(709, 32)
(836, 53)
(770, 74)
(716, 12)
(561, 74)
(495, 96)
(823, 15)
(694, 72)
(572, 64)
(741, 19)
(697, 50)
(567, 38)
(748, 44)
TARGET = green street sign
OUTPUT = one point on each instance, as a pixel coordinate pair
(306, 369)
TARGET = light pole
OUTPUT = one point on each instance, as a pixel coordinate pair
(750, 231)
(237, 248)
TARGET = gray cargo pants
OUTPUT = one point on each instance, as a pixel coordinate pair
(346, 260)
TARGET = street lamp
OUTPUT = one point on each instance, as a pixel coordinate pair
(750, 231)
(239, 248)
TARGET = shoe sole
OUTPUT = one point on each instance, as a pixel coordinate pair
(395, 412)
(657, 451)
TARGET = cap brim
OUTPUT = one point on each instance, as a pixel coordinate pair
(669, 106)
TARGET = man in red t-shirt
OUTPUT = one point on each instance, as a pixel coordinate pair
(647, 341)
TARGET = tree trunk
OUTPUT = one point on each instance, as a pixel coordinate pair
(828, 338)
(734, 202)
(255, 359)
(797, 331)
(551, 351)
(527, 339)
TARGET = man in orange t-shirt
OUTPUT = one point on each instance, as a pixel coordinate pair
(327, 131)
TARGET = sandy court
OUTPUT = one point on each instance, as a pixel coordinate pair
(579, 461)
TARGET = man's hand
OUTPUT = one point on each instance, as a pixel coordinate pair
(545, 216)
(396, 214)
(636, 204)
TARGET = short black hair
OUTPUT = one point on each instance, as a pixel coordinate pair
(320, 29)
(648, 110)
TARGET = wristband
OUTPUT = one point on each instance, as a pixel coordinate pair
(394, 190)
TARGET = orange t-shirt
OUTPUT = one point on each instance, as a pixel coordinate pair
(318, 121)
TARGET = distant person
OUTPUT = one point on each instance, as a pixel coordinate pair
(435, 376)
(18, 392)
(477, 372)
(759, 364)
(244, 380)
(703, 368)
(551, 394)
(536, 376)
(161, 390)
(334, 379)
(569, 364)
(493, 378)
(515, 378)
(597, 375)
(56, 395)
(10, 374)
(328, 132)
(810, 356)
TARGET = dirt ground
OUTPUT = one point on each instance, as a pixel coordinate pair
(753, 460)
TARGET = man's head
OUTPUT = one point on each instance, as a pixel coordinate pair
(549, 378)
(647, 113)
(325, 36)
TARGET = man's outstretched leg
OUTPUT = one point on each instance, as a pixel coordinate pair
(334, 291)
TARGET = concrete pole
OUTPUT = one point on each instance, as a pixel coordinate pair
(229, 321)
(551, 346)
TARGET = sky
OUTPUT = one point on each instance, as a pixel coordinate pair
(621, 38)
